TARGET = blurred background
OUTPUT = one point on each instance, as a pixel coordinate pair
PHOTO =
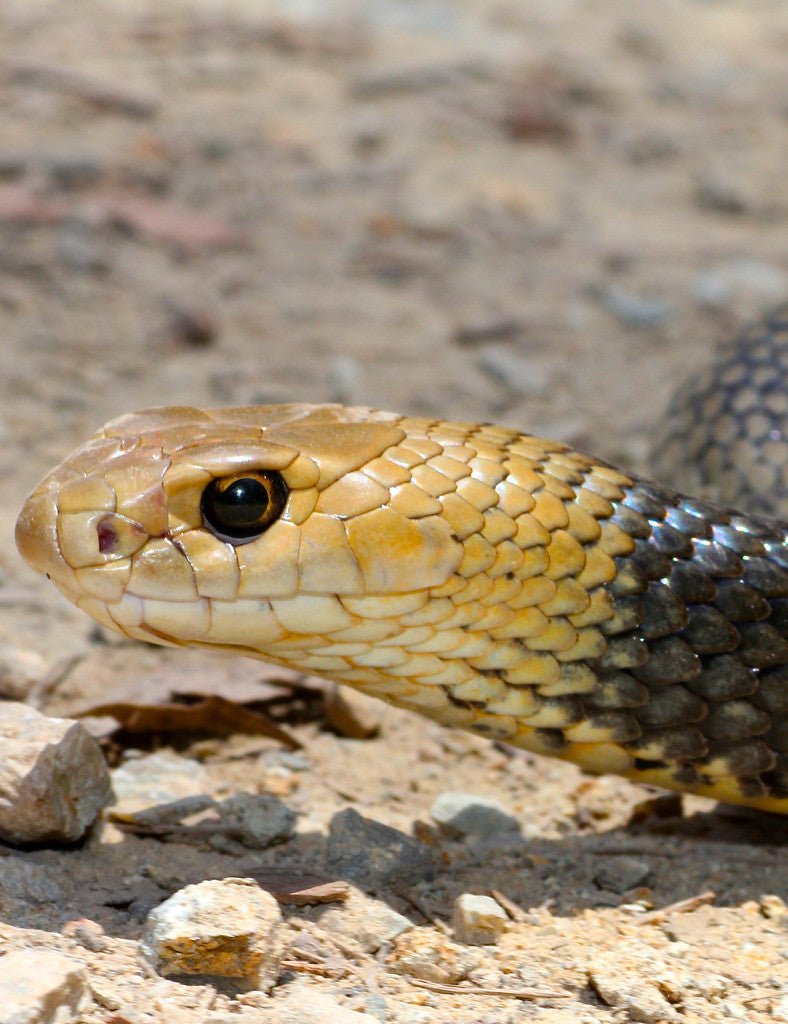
(540, 212)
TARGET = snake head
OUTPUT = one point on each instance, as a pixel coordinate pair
(235, 528)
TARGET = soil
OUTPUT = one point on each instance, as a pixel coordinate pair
(543, 214)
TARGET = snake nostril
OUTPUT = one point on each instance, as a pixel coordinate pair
(107, 538)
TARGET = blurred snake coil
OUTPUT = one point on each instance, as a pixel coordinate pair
(491, 580)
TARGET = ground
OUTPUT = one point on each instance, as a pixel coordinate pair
(541, 213)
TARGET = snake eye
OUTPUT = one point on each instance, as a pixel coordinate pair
(239, 508)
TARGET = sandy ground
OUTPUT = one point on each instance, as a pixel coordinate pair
(542, 213)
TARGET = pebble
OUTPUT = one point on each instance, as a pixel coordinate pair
(427, 954)
(620, 874)
(53, 777)
(42, 986)
(257, 821)
(468, 814)
(722, 195)
(639, 998)
(478, 920)
(22, 879)
(156, 778)
(721, 286)
(20, 671)
(374, 855)
(636, 311)
(367, 921)
(303, 1005)
(226, 930)
(521, 374)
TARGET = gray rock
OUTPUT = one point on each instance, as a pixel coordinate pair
(257, 821)
(375, 855)
(226, 931)
(42, 986)
(20, 670)
(521, 374)
(53, 777)
(721, 286)
(478, 920)
(635, 311)
(620, 874)
(467, 814)
(21, 879)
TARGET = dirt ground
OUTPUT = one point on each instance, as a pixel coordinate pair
(543, 213)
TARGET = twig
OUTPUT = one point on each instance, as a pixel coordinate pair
(325, 970)
(680, 907)
(464, 990)
(512, 909)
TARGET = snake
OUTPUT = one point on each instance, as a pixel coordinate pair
(492, 580)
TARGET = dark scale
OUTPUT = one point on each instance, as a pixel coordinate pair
(698, 654)
(733, 414)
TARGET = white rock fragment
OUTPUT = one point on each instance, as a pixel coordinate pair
(303, 1005)
(226, 929)
(53, 777)
(41, 986)
(368, 921)
(478, 920)
(427, 954)
(468, 814)
(640, 998)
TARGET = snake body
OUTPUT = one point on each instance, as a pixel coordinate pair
(492, 580)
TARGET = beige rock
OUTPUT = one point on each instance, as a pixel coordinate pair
(427, 954)
(228, 929)
(41, 986)
(53, 777)
(478, 920)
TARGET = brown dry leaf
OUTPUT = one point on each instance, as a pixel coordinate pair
(300, 888)
(213, 714)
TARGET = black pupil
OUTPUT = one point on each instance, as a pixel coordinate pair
(237, 509)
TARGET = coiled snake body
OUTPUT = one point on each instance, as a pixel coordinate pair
(492, 580)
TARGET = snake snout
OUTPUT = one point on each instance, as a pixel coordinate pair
(36, 534)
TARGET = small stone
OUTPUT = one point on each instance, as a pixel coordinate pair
(636, 311)
(772, 907)
(367, 921)
(42, 986)
(467, 814)
(20, 671)
(78, 251)
(190, 326)
(427, 954)
(257, 821)
(722, 195)
(642, 1000)
(225, 931)
(22, 879)
(87, 933)
(375, 855)
(156, 779)
(523, 375)
(620, 874)
(303, 1005)
(478, 920)
(53, 777)
(721, 286)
